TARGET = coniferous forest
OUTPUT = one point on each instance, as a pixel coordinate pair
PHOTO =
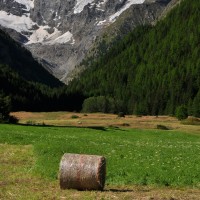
(33, 96)
(154, 69)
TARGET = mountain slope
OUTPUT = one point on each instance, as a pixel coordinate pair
(60, 33)
(154, 69)
(21, 61)
(29, 86)
(136, 15)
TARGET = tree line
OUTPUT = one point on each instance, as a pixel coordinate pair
(34, 96)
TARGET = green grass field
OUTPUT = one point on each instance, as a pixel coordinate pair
(134, 157)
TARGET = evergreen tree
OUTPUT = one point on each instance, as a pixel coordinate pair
(181, 112)
(5, 107)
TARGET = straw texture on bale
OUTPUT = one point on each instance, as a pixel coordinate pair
(82, 172)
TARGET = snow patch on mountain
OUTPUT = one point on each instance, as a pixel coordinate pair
(80, 4)
(41, 35)
(25, 25)
(66, 37)
(113, 17)
(20, 24)
(101, 3)
(28, 3)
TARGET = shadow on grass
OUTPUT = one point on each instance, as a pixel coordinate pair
(100, 128)
(110, 190)
(118, 190)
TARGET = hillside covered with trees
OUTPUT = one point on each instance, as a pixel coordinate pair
(34, 96)
(154, 69)
(21, 60)
(26, 85)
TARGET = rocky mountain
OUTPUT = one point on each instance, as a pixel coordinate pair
(20, 61)
(59, 33)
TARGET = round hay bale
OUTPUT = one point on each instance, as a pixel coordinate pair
(82, 172)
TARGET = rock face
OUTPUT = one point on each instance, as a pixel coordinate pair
(59, 33)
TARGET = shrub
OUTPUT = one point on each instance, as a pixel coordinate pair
(101, 104)
(181, 112)
(5, 107)
(121, 114)
(95, 104)
(74, 116)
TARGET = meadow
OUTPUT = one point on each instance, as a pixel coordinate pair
(136, 159)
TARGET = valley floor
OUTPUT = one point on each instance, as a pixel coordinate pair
(107, 120)
(17, 182)
(29, 155)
